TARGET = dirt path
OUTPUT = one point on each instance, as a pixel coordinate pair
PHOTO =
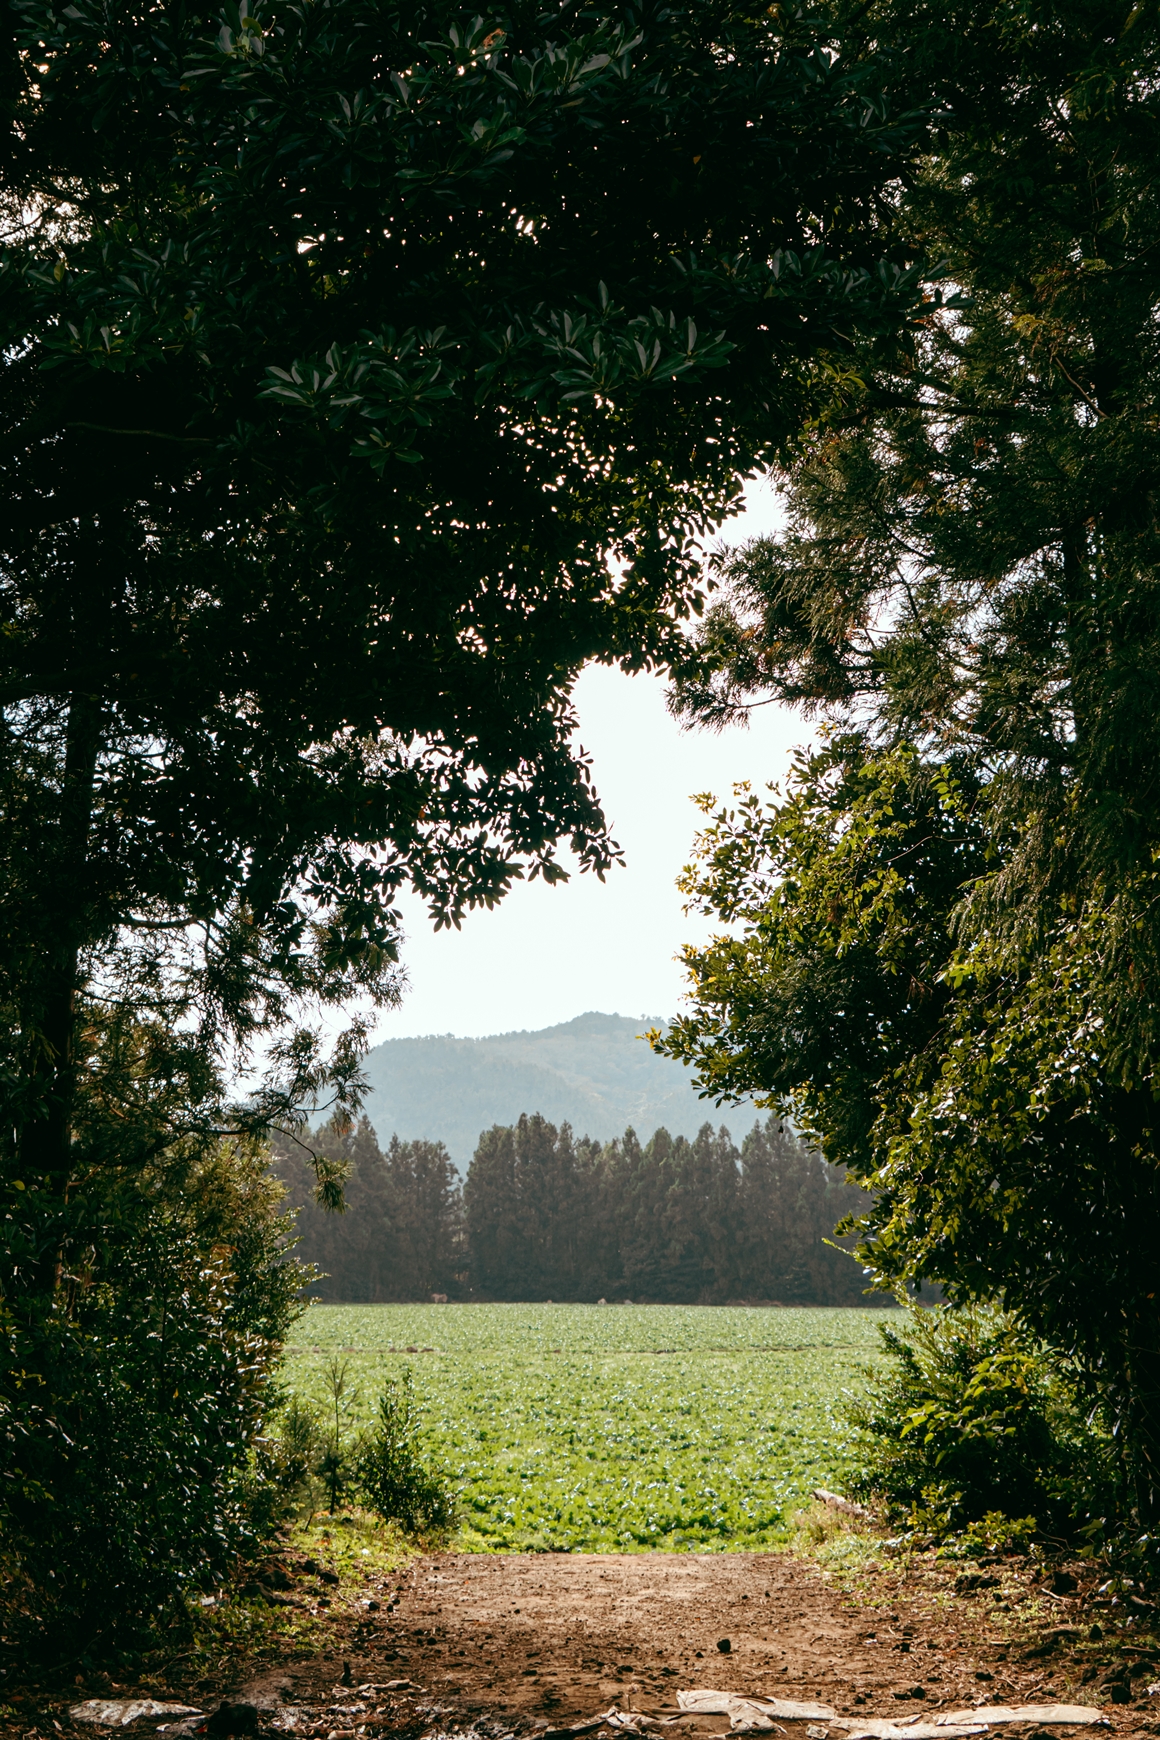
(540, 1640)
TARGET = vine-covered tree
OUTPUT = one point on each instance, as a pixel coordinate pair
(947, 933)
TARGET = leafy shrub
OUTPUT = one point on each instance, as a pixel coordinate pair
(975, 1429)
(390, 1471)
(287, 1462)
(131, 1406)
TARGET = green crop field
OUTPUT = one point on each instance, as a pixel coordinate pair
(609, 1428)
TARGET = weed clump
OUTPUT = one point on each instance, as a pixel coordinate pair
(384, 1465)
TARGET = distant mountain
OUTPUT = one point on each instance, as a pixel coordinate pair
(595, 1073)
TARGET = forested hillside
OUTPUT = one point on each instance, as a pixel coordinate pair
(543, 1215)
(595, 1073)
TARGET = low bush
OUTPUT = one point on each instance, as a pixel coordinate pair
(975, 1430)
(390, 1470)
(132, 1407)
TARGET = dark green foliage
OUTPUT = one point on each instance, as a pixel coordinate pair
(955, 986)
(289, 1460)
(532, 1204)
(676, 1221)
(318, 434)
(544, 1216)
(833, 976)
(390, 1470)
(314, 1458)
(975, 1427)
(400, 1235)
(334, 1463)
(129, 1407)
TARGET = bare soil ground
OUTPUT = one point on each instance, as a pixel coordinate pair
(511, 1643)
(481, 1647)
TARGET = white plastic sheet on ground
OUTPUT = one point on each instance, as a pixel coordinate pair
(1077, 1715)
(754, 1715)
(119, 1712)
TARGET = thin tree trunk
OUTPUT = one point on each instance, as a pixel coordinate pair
(47, 1141)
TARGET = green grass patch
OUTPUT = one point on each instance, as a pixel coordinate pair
(610, 1428)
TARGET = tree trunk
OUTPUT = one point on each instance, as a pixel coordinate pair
(66, 902)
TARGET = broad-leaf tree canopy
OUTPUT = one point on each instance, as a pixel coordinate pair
(948, 936)
(366, 371)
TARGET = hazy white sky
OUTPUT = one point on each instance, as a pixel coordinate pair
(547, 954)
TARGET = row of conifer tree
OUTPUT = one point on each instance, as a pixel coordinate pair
(543, 1215)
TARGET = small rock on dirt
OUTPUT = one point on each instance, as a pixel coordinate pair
(233, 1719)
